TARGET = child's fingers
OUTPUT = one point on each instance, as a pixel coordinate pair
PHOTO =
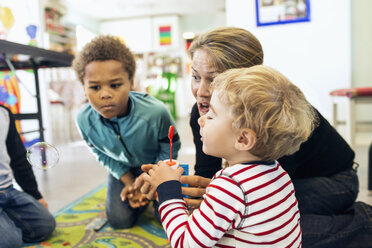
(146, 167)
(151, 194)
(143, 200)
(129, 189)
(123, 195)
(129, 192)
(138, 182)
(179, 171)
(145, 188)
(134, 204)
(161, 163)
(146, 178)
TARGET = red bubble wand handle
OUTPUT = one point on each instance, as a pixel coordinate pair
(170, 136)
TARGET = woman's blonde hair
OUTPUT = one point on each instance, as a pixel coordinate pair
(265, 101)
(229, 47)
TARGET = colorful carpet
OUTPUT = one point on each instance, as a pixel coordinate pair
(72, 221)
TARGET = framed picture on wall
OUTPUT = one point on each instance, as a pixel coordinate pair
(165, 32)
(271, 12)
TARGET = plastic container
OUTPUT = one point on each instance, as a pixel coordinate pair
(185, 168)
(175, 164)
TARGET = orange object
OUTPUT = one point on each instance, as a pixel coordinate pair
(170, 136)
(171, 163)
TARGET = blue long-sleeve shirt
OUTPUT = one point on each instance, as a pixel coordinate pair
(141, 136)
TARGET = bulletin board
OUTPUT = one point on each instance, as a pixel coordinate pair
(272, 12)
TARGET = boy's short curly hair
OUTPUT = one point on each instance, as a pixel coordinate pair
(263, 100)
(101, 48)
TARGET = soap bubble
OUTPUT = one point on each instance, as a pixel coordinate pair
(42, 155)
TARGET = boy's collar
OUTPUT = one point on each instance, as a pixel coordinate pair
(129, 108)
(261, 162)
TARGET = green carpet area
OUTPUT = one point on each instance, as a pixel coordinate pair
(72, 220)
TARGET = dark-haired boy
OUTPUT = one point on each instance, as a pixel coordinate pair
(124, 129)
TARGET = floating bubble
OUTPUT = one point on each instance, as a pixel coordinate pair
(42, 155)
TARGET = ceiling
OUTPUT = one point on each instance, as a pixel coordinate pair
(119, 9)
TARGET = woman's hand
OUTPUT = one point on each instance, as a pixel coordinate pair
(196, 189)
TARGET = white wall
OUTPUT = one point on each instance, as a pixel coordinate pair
(142, 34)
(361, 25)
(314, 55)
(202, 22)
(361, 33)
(137, 32)
(77, 18)
(25, 12)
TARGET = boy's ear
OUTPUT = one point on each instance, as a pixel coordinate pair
(132, 84)
(246, 140)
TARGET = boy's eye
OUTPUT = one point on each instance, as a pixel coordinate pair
(94, 87)
(114, 86)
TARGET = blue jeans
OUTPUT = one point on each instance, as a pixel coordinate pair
(22, 219)
(330, 217)
(120, 214)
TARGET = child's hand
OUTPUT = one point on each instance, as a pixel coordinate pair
(145, 187)
(135, 198)
(161, 173)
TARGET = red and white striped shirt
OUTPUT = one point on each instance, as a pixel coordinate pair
(244, 205)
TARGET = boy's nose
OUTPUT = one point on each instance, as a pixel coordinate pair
(106, 94)
(201, 121)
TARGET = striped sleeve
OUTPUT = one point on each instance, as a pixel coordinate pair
(221, 210)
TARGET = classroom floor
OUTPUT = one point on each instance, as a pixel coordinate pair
(79, 173)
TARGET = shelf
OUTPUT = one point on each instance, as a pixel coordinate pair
(29, 57)
(40, 57)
